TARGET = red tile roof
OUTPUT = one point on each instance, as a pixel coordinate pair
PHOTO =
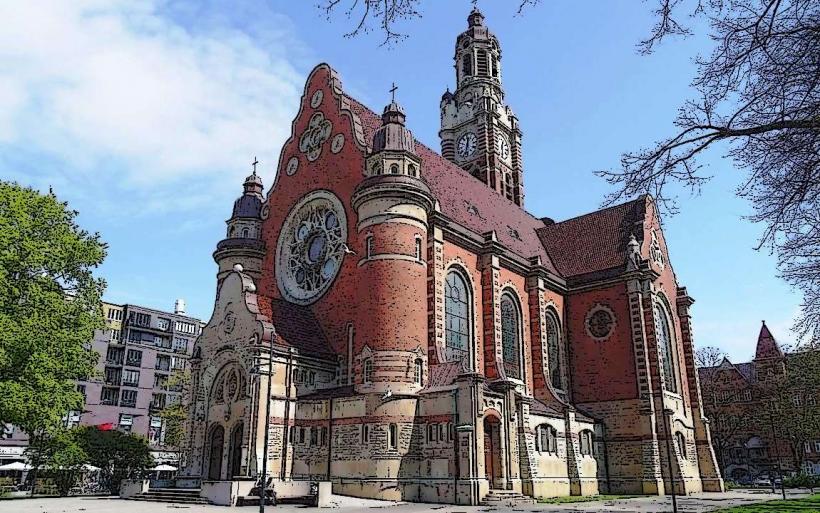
(295, 326)
(456, 191)
(596, 241)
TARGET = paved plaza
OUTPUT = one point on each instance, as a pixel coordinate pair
(650, 504)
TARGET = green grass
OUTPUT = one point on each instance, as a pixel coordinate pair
(584, 498)
(810, 504)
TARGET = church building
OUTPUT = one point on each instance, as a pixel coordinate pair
(430, 339)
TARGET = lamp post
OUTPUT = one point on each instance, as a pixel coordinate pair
(263, 483)
(667, 412)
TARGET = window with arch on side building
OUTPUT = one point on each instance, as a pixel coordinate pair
(664, 340)
(511, 335)
(680, 439)
(554, 351)
(587, 442)
(457, 318)
(546, 438)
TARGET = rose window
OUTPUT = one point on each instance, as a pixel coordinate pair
(311, 247)
(600, 322)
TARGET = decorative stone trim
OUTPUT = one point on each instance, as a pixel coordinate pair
(316, 99)
(293, 166)
(337, 143)
(313, 138)
(600, 322)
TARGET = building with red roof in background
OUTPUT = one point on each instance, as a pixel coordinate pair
(432, 340)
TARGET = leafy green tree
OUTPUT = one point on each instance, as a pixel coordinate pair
(175, 414)
(58, 456)
(118, 455)
(50, 305)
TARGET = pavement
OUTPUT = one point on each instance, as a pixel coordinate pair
(649, 504)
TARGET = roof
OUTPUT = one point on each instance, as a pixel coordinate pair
(767, 346)
(443, 374)
(248, 205)
(541, 408)
(469, 202)
(595, 241)
(295, 325)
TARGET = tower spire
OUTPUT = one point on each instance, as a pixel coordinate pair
(479, 132)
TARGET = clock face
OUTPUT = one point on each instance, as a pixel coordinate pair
(503, 147)
(467, 144)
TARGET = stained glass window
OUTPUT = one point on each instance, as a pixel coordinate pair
(510, 336)
(456, 318)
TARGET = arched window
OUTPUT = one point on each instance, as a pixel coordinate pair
(411, 170)
(394, 169)
(587, 443)
(510, 335)
(245, 233)
(466, 65)
(295, 375)
(419, 248)
(369, 246)
(547, 439)
(554, 352)
(231, 231)
(368, 370)
(418, 372)
(681, 441)
(457, 318)
(494, 63)
(663, 337)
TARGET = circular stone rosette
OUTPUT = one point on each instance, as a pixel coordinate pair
(310, 249)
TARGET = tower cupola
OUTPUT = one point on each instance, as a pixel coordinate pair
(243, 242)
(394, 149)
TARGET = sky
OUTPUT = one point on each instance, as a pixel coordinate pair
(144, 115)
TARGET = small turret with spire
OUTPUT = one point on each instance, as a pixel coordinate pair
(242, 244)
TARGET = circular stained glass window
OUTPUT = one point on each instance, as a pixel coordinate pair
(311, 246)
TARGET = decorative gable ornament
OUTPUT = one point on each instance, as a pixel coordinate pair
(314, 136)
(655, 251)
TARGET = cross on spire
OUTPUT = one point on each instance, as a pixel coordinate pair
(393, 93)
(254, 163)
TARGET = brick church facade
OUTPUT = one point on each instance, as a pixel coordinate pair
(431, 339)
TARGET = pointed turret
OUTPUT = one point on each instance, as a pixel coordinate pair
(242, 244)
(767, 346)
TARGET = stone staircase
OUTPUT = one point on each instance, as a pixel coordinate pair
(175, 495)
(506, 498)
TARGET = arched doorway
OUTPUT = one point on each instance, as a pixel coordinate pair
(236, 451)
(215, 446)
(492, 452)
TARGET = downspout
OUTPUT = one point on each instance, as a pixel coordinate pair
(286, 439)
(454, 432)
(329, 439)
(606, 457)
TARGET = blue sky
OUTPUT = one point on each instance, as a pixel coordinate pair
(145, 115)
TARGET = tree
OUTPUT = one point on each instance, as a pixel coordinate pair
(758, 91)
(49, 308)
(59, 455)
(119, 455)
(385, 15)
(175, 414)
(709, 356)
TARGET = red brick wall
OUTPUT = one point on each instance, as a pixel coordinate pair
(601, 371)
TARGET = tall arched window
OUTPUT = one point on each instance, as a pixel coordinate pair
(418, 371)
(681, 440)
(554, 352)
(368, 370)
(457, 315)
(663, 337)
(510, 335)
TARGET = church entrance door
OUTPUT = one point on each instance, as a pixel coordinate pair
(236, 451)
(492, 452)
(215, 453)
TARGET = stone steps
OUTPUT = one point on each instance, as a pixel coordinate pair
(506, 498)
(172, 495)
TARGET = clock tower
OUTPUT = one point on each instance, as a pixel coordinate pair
(479, 132)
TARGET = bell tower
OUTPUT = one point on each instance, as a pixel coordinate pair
(479, 132)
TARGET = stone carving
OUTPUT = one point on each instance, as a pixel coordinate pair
(316, 99)
(337, 143)
(314, 136)
(293, 166)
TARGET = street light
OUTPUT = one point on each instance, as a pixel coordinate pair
(263, 483)
(668, 412)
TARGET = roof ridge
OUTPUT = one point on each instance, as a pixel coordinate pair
(642, 197)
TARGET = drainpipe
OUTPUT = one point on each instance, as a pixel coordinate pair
(288, 383)
(454, 432)
(329, 439)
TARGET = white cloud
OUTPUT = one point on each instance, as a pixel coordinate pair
(106, 86)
